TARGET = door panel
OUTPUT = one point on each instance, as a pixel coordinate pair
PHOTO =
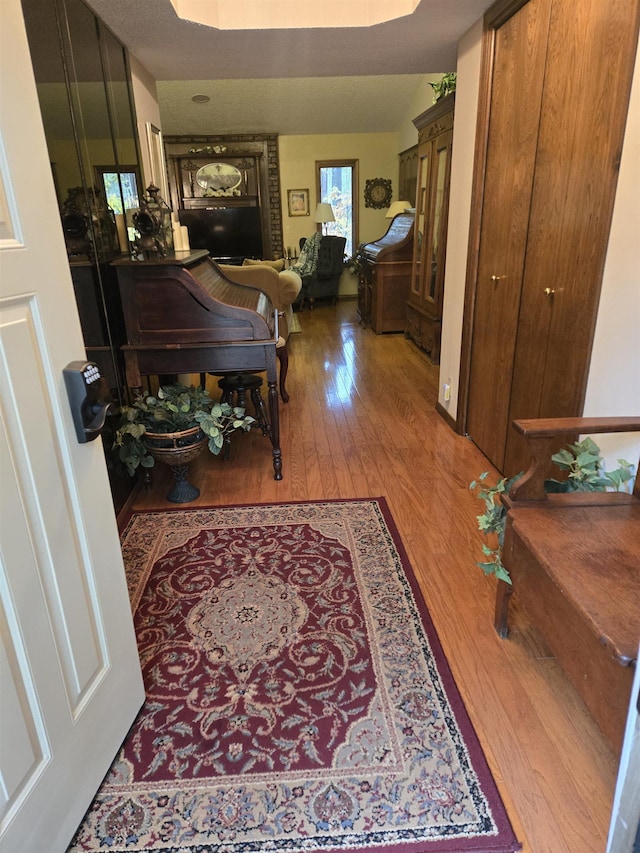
(69, 671)
(518, 75)
(435, 256)
(75, 621)
(419, 243)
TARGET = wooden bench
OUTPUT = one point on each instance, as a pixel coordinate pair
(574, 560)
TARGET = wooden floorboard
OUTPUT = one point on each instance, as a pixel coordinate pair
(361, 422)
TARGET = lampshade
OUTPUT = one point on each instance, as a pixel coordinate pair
(396, 208)
(324, 213)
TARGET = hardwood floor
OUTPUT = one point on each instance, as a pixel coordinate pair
(361, 422)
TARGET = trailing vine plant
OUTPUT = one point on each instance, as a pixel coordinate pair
(492, 522)
(585, 473)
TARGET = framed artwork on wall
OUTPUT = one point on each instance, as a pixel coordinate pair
(157, 161)
(298, 201)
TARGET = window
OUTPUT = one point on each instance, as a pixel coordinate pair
(337, 184)
(120, 187)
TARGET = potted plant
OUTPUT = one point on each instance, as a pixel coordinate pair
(585, 473)
(356, 263)
(445, 86)
(174, 426)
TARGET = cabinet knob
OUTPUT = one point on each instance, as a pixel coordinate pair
(496, 278)
(548, 291)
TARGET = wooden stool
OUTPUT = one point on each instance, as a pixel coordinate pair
(239, 384)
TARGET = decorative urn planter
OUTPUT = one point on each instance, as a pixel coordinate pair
(174, 426)
(177, 450)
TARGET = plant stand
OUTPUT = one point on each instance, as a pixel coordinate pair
(177, 450)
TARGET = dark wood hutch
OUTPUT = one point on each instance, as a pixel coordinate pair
(226, 190)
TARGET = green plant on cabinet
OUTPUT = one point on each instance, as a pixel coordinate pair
(445, 86)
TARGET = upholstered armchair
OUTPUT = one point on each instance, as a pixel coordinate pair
(323, 281)
(282, 288)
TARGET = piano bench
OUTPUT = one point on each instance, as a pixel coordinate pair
(239, 384)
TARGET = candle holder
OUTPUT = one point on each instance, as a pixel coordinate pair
(152, 223)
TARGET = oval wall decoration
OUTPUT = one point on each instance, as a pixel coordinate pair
(218, 176)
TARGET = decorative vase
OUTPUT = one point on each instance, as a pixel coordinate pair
(177, 450)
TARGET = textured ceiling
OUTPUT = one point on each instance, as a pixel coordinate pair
(288, 106)
(267, 80)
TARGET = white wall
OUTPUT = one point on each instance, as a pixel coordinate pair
(147, 110)
(613, 386)
(421, 101)
(464, 137)
(377, 157)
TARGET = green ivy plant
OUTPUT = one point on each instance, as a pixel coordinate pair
(492, 523)
(584, 466)
(444, 86)
(175, 408)
(583, 463)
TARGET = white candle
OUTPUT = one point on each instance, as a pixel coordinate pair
(121, 228)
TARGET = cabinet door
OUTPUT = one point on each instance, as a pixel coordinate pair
(421, 223)
(408, 175)
(435, 244)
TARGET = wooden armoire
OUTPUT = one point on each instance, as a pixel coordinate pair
(556, 77)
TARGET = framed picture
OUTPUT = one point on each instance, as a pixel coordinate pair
(298, 202)
(157, 161)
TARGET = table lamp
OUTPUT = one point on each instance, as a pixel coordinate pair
(324, 214)
(396, 208)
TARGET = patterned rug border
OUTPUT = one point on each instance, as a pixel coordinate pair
(506, 840)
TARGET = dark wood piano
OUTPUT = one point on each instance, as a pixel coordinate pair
(385, 277)
(182, 315)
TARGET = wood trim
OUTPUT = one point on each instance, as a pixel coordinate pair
(355, 189)
(501, 11)
(475, 221)
(441, 108)
(447, 417)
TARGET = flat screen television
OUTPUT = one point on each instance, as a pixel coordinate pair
(228, 233)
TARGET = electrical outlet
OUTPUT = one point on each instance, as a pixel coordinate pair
(447, 391)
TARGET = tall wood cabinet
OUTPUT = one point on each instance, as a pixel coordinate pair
(424, 306)
(555, 118)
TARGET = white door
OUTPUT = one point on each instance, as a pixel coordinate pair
(624, 832)
(70, 682)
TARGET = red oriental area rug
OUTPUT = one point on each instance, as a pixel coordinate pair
(297, 697)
